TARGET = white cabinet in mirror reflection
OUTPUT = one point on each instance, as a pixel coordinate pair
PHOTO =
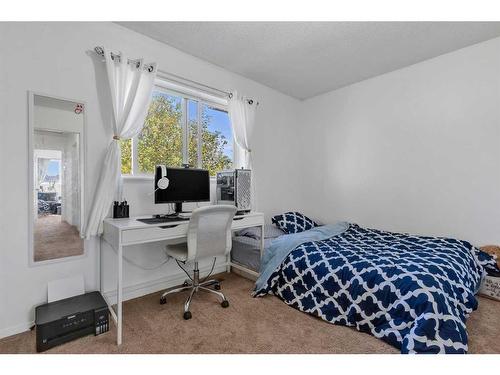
(56, 140)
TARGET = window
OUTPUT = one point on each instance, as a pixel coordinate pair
(180, 129)
(49, 173)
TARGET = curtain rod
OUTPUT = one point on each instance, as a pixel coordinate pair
(100, 51)
(182, 80)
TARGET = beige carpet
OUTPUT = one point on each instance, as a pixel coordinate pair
(248, 325)
(55, 238)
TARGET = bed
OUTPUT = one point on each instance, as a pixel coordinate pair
(246, 245)
(413, 292)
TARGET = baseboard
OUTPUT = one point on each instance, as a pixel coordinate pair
(148, 287)
(14, 330)
(244, 274)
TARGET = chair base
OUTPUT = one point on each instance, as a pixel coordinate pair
(195, 286)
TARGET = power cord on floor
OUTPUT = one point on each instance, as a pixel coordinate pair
(130, 261)
(210, 273)
(167, 259)
(205, 278)
(182, 268)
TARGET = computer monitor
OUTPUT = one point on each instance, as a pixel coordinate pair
(184, 185)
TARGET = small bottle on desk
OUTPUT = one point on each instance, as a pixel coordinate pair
(115, 209)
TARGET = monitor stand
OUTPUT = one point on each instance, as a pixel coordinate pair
(178, 210)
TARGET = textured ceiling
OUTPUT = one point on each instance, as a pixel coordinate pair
(304, 59)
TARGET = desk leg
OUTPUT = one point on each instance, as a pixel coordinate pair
(100, 265)
(119, 293)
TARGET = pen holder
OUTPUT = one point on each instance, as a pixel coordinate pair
(120, 210)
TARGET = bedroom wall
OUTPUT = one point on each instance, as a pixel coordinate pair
(54, 58)
(414, 150)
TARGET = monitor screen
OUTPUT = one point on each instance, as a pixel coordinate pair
(185, 185)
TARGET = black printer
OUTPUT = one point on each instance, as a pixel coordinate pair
(70, 318)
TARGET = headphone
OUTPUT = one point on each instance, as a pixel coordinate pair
(163, 181)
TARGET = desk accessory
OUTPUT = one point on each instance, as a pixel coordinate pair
(70, 318)
(120, 210)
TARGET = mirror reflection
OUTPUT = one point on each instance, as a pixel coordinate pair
(57, 178)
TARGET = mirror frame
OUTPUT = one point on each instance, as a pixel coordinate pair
(83, 165)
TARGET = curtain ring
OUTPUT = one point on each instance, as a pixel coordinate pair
(99, 50)
(116, 138)
(250, 102)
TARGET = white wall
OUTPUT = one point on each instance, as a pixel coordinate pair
(54, 58)
(54, 114)
(414, 150)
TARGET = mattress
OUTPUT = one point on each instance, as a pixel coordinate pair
(246, 251)
(246, 245)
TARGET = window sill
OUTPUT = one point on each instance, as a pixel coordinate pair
(145, 177)
(131, 177)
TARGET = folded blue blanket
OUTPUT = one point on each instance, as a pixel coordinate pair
(413, 292)
(280, 247)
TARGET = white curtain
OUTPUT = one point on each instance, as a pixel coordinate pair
(70, 189)
(242, 116)
(130, 86)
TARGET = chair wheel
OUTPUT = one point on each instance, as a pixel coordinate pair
(185, 283)
(225, 303)
(163, 300)
(217, 286)
(187, 315)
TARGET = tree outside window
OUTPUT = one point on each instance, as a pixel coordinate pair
(162, 138)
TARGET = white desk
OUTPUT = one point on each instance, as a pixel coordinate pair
(124, 232)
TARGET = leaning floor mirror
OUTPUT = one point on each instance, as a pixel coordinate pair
(56, 165)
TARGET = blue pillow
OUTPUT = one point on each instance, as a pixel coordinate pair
(293, 222)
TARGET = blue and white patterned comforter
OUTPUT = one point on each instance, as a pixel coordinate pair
(412, 292)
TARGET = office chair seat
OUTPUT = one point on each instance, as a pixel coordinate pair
(178, 251)
(209, 235)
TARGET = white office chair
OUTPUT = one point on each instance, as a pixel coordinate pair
(209, 235)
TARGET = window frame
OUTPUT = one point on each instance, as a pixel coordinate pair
(185, 93)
